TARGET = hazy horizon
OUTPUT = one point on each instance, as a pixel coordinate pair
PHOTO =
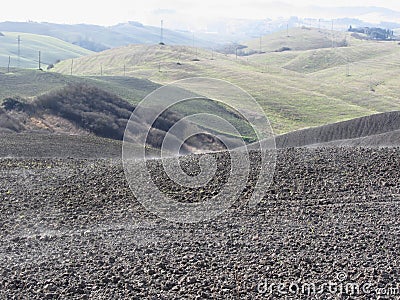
(186, 15)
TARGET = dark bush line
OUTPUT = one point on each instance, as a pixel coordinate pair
(89, 107)
(374, 33)
(283, 49)
(16, 103)
(93, 109)
(102, 113)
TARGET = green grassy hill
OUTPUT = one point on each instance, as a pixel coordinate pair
(52, 50)
(30, 84)
(297, 89)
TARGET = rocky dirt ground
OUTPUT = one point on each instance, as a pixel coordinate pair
(328, 228)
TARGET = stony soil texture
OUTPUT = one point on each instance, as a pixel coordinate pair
(72, 229)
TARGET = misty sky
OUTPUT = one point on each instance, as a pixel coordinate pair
(174, 12)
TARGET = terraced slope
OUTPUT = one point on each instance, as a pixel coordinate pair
(388, 139)
(379, 129)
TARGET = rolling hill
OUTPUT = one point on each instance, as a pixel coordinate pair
(81, 109)
(98, 38)
(31, 83)
(297, 89)
(52, 50)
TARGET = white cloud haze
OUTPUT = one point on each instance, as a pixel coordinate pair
(174, 12)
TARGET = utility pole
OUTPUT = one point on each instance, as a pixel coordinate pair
(287, 30)
(195, 48)
(19, 50)
(40, 67)
(319, 24)
(162, 33)
(9, 62)
(124, 70)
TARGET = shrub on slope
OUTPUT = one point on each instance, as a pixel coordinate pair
(89, 107)
(94, 110)
(8, 123)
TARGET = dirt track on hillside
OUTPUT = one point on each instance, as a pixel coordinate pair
(71, 229)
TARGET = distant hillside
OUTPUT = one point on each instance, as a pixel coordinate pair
(296, 89)
(99, 38)
(52, 50)
(32, 84)
(297, 39)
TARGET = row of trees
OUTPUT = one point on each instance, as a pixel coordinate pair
(374, 33)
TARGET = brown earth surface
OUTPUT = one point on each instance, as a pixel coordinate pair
(72, 229)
